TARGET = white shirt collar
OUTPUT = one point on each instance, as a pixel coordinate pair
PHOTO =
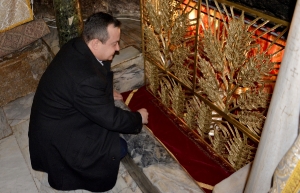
(100, 62)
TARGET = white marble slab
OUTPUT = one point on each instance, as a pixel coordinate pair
(128, 68)
(171, 178)
(21, 134)
(125, 55)
(18, 110)
(15, 176)
(158, 165)
(162, 170)
(5, 129)
(128, 78)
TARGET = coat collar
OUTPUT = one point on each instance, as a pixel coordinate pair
(81, 47)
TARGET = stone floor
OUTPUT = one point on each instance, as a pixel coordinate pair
(17, 175)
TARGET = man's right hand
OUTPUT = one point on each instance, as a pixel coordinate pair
(144, 114)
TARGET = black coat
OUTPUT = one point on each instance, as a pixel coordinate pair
(74, 125)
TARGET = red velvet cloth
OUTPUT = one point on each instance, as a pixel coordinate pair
(197, 163)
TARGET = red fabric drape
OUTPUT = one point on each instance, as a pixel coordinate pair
(197, 163)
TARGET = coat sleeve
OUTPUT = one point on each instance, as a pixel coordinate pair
(94, 100)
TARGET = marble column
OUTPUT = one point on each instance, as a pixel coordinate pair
(69, 20)
(281, 127)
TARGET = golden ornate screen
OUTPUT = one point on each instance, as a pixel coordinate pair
(213, 64)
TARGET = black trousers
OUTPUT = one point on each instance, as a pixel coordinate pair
(124, 148)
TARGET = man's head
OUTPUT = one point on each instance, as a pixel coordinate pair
(102, 35)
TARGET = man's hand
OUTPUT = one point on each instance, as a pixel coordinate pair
(144, 114)
(117, 96)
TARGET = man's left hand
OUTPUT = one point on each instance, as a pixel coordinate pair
(117, 95)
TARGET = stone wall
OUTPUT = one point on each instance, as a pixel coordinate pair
(20, 71)
(282, 9)
(128, 8)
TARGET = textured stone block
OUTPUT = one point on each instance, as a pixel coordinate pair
(20, 72)
(5, 129)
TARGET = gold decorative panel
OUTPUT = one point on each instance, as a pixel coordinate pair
(214, 64)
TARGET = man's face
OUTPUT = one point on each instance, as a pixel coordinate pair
(107, 50)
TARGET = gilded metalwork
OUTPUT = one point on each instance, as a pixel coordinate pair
(219, 136)
(165, 87)
(253, 120)
(240, 152)
(152, 77)
(231, 75)
(177, 96)
(164, 35)
(198, 116)
(214, 69)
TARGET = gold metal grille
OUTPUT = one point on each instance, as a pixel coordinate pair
(214, 65)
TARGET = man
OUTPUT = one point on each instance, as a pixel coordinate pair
(74, 125)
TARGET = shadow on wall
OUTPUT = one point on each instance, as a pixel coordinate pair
(129, 8)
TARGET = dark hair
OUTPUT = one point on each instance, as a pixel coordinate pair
(95, 27)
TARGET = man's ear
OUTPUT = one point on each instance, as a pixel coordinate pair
(94, 44)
